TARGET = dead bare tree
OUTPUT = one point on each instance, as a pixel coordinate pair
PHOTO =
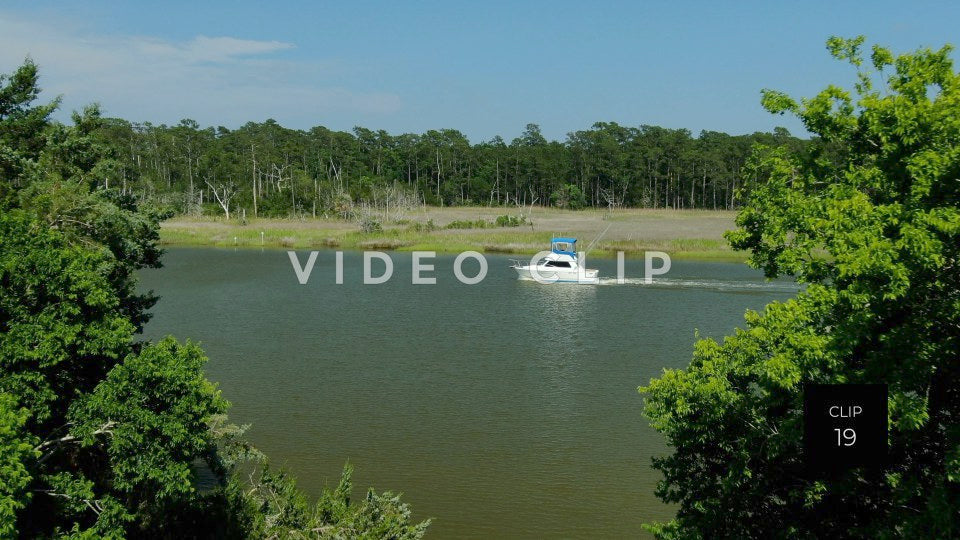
(388, 203)
(612, 199)
(253, 156)
(49, 447)
(223, 192)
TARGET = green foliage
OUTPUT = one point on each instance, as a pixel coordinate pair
(870, 220)
(376, 516)
(568, 196)
(275, 204)
(427, 226)
(501, 221)
(62, 191)
(266, 503)
(22, 124)
(283, 512)
(101, 436)
(510, 221)
(15, 452)
(62, 324)
(117, 428)
(113, 222)
(468, 224)
(280, 172)
(160, 403)
(370, 224)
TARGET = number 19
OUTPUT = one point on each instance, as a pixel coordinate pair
(847, 437)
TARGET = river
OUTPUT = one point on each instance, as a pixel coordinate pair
(504, 409)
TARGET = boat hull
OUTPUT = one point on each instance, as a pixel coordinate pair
(552, 275)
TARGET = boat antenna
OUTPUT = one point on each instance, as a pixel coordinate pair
(597, 239)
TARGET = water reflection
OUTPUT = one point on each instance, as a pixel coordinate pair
(564, 316)
(564, 311)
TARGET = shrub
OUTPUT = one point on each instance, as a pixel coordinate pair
(511, 221)
(424, 227)
(370, 225)
(467, 224)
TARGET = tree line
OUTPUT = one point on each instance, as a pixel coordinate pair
(267, 170)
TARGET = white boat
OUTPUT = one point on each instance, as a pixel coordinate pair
(559, 265)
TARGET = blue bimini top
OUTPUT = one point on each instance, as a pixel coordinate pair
(564, 246)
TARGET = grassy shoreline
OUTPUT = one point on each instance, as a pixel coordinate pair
(685, 234)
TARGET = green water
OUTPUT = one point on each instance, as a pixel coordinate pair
(503, 409)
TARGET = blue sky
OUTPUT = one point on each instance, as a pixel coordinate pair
(485, 68)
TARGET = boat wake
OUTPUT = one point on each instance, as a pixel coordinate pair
(717, 285)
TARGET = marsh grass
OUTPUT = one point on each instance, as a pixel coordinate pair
(682, 234)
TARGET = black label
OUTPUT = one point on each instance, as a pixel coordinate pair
(845, 426)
